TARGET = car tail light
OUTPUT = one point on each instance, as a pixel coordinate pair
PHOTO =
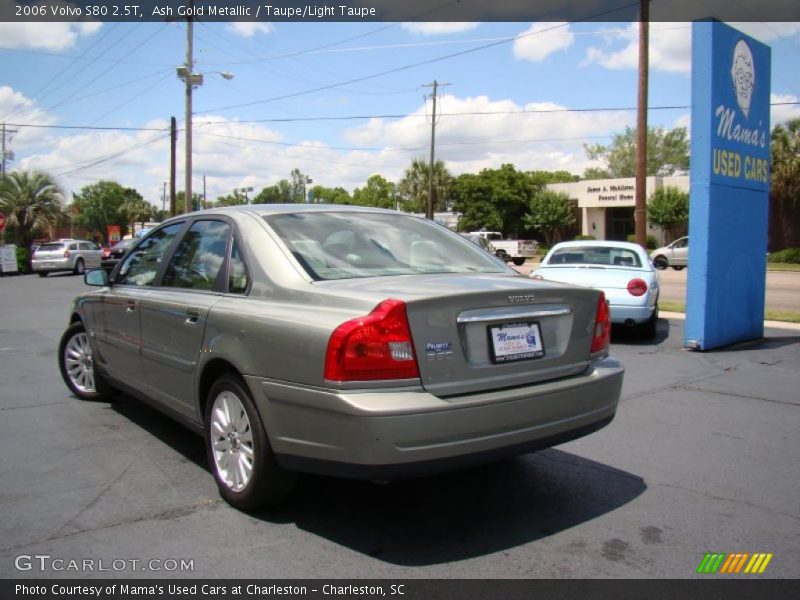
(637, 287)
(106, 252)
(66, 253)
(601, 337)
(375, 346)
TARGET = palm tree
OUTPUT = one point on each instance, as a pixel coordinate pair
(785, 186)
(414, 188)
(32, 202)
(136, 209)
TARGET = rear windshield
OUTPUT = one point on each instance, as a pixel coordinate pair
(607, 256)
(50, 247)
(343, 245)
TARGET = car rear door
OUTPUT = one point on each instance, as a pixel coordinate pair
(174, 317)
(92, 254)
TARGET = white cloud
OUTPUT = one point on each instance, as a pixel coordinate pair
(541, 40)
(435, 28)
(781, 114)
(34, 35)
(670, 48)
(248, 28)
(549, 139)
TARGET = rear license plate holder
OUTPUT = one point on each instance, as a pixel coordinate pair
(512, 342)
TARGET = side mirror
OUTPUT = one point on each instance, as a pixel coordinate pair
(96, 277)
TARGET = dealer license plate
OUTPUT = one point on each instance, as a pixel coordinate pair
(515, 341)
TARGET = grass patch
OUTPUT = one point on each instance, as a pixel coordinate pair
(770, 315)
(782, 267)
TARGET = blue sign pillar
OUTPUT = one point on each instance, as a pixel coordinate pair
(729, 197)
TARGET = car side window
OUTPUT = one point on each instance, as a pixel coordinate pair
(237, 272)
(141, 266)
(199, 257)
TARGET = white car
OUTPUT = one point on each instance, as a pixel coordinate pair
(622, 270)
(675, 255)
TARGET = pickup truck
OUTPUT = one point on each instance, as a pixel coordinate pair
(516, 251)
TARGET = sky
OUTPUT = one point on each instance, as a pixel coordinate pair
(340, 101)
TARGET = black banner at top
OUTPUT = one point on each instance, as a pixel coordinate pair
(309, 11)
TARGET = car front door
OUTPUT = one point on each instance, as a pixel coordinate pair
(175, 315)
(117, 325)
(680, 252)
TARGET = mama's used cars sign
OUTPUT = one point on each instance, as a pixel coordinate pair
(729, 195)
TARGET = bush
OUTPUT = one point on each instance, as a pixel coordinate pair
(789, 255)
(652, 243)
(543, 249)
(584, 237)
(23, 260)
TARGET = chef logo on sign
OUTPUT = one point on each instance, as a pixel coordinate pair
(744, 76)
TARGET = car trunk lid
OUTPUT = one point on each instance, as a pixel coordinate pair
(472, 332)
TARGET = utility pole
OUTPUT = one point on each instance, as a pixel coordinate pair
(5, 154)
(204, 191)
(173, 142)
(164, 201)
(640, 212)
(431, 200)
(187, 197)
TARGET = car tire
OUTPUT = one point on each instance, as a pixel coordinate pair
(678, 267)
(660, 262)
(42, 273)
(80, 267)
(239, 452)
(648, 328)
(76, 363)
(518, 260)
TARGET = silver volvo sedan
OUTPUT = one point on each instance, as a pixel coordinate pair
(340, 340)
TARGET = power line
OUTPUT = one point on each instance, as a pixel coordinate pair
(112, 156)
(378, 116)
(409, 66)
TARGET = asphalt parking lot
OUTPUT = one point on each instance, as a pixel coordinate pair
(703, 456)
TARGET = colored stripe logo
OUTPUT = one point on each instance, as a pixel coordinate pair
(734, 563)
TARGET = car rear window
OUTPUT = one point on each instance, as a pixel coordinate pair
(607, 256)
(50, 247)
(344, 245)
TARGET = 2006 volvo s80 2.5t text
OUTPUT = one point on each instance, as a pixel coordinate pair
(339, 340)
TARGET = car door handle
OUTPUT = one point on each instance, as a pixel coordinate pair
(192, 317)
(131, 306)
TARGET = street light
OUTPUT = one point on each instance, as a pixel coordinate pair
(191, 80)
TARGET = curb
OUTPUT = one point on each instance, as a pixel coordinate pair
(767, 324)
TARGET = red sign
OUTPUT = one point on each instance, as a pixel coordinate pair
(2, 221)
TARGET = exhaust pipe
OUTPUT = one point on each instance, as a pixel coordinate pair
(629, 322)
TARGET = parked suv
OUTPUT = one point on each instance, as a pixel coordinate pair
(66, 255)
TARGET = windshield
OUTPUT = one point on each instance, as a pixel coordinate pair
(606, 256)
(344, 245)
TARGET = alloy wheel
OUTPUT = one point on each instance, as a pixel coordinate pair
(232, 441)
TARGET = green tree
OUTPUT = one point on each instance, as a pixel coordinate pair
(550, 212)
(596, 173)
(326, 195)
(784, 194)
(298, 186)
(378, 193)
(495, 199)
(31, 202)
(280, 193)
(197, 202)
(414, 187)
(98, 205)
(236, 198)
(667, 153)
(668, 208)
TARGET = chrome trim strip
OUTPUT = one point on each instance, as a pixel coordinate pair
(513, 312)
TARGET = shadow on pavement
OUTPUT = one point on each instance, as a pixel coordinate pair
(435, 519)
(620, 334)
(460, 515)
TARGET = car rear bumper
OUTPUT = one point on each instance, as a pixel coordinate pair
(623, 314)
(401, 432)
(47, 265)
